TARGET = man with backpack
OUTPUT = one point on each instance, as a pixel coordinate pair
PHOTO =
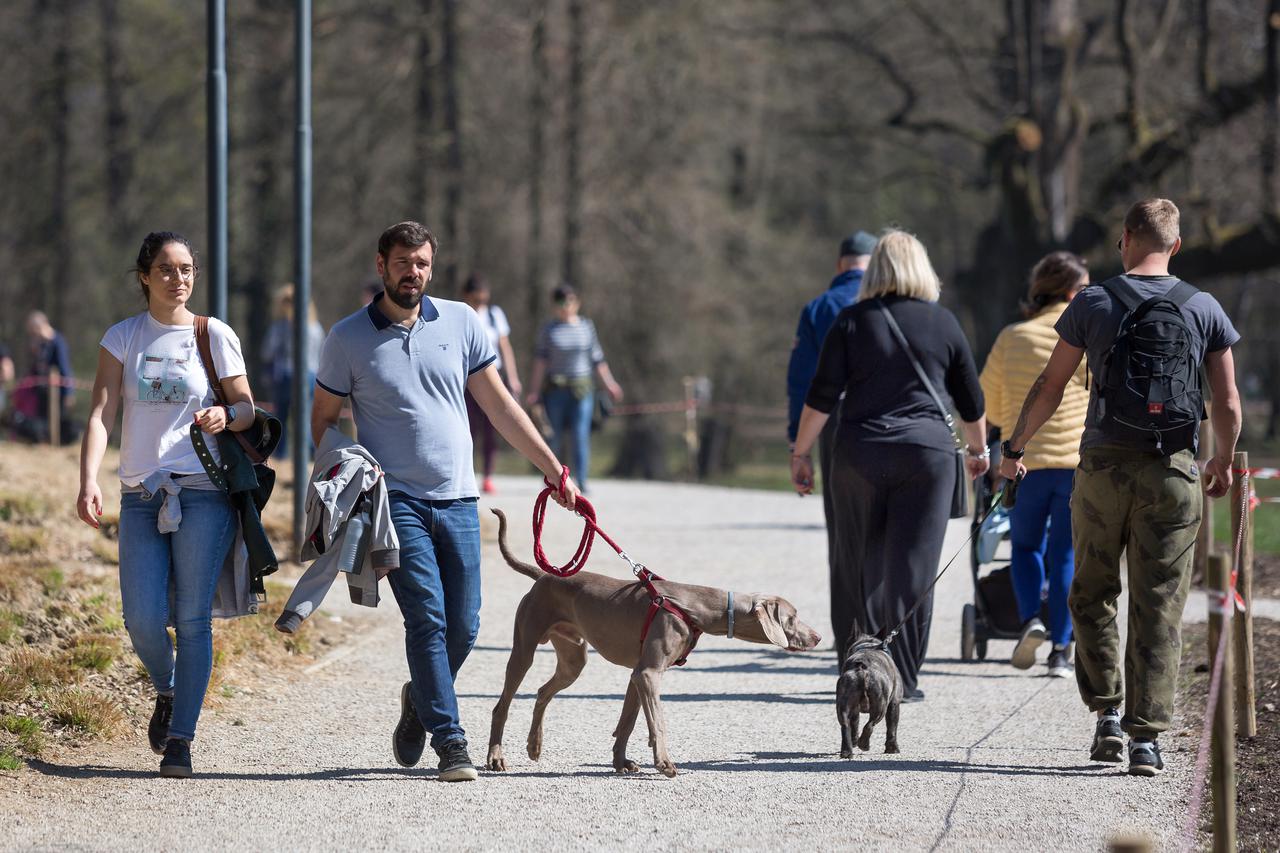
(1147, 335)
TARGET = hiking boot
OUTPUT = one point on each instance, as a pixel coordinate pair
(1108, 739)
(410, 738)
(455, 764)
(158, 728)
(1060, 665)
(177, 759)
(1024, 654)
(1144, 758)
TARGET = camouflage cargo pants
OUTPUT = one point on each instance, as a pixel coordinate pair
(1148, 506)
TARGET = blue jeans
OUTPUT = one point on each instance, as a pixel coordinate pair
(1044, 497)
(191, 560)
(571, 422)
(438, 589)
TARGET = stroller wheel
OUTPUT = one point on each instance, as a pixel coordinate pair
(968, 631)
(981, 648)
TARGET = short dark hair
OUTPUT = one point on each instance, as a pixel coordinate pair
(563, 293)
(475, 283)
(151, 246)
(409, 234)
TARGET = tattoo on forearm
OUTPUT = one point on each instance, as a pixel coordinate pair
(1026, 408)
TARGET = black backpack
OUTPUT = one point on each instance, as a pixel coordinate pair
(1149, 387)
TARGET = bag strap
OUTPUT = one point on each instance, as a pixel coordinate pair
(1180, 293)
(915, 364)
(206, 357)
(1123, 292)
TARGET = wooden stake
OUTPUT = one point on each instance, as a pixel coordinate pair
(1222, 774)
(1242, 626)
(55, 407)
(1204, 536)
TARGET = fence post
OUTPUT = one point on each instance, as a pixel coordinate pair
(55, 407)
(1222, 774)
(1242, 628)
(691, 426)
(1204, 537)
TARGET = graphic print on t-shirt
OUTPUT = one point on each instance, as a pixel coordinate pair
(162, 379)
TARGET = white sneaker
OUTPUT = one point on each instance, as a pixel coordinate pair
(1024, 654)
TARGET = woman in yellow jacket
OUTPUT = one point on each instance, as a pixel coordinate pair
(1044, 497)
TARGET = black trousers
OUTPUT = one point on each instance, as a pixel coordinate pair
(891, 506)
(826, 459)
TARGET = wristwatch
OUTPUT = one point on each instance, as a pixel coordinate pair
(230, 412)
(1009, 452)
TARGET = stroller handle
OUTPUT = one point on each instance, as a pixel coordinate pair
(1009, 492)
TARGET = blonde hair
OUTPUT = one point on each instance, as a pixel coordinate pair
(283, 304)
(1154, 222)
(900, 266)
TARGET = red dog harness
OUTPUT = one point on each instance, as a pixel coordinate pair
(583, 507)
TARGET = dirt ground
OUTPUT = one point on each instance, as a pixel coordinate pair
(1266, 576)
(1258, 758)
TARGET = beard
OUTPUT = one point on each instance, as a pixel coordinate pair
(407, 301)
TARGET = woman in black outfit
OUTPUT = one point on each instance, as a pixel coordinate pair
(894, 468)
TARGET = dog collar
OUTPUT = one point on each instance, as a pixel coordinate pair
(729, 610)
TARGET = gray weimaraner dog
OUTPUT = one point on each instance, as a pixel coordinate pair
(609, 613)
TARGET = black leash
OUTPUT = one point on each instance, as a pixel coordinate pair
(1008, 495)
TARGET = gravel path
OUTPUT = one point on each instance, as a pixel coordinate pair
(994, 759)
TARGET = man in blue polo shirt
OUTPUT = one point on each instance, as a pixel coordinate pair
(815, 322)
(404, 361)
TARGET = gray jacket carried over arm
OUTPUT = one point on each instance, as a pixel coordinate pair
(344, 473)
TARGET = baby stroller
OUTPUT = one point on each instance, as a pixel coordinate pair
(993, 615)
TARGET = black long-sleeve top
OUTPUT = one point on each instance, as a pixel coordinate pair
(884, 400)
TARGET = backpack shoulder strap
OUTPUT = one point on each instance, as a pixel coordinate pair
(1122, 291)
(206, 357)
(1180, 293)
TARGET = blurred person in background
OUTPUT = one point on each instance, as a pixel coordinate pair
(1041, 556)
(475, 292)
(277, 357)
(894, 471)
(46, 349)
(6, 378)
(566, 363)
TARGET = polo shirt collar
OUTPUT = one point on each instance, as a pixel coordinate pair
(428, 312)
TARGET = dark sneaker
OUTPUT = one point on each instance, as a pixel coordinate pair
(1060, 665)
(158, 729)
(455, 764)
(1024, 654)
(1144, 758)
(1108, 739)
(177, 759)
(915, 695)
(410, 738)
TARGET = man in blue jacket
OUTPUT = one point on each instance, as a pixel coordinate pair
(815, 321)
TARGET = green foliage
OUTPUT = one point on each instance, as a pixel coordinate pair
(27, 730)
(9, 762)
(10, 623)
(94, 651)
(1265, 520)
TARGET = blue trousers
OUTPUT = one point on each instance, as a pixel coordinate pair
(570, 419)
(438, 589)
(192, 558)
(1044, 499)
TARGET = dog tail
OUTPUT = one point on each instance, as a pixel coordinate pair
(526, 569)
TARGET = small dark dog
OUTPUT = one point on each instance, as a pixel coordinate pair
(869, 682)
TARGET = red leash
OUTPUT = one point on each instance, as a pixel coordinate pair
(583, 507)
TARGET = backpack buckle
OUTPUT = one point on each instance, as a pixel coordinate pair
(1155, 408)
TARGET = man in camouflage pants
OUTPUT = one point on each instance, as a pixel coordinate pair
(1133, 496)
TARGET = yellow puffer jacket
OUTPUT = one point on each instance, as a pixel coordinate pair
(1016, 360)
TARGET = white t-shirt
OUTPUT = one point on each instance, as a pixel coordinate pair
(164, 385)
(494, 320)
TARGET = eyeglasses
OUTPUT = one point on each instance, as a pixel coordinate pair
(184, 272)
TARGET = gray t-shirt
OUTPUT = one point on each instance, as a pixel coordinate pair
(1092, 321)
(571, 349)
(407, 391)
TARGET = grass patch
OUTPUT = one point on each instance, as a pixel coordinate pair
(11, 621)
(9, 762)
(27, 730)
(94, 651)
(1265, 519)
(22, 506)
(86, 711)
(24, 540)
(40, 669)
(106, 551)
(12, 687)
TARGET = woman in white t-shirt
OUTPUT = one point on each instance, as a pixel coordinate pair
(475, 292)
(176, 527)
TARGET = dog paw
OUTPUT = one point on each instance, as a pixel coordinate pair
(846, 753)
(534, 750)
(667, 768)
(495, 761)
(625, 766)
(864, 744)
(891, 749)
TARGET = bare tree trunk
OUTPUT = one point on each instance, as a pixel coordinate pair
(453, 148)
(119, 156)
(424, 109)
(1204, 47)
(1271, 112)
(59, 13)
(537, 135)
(573, 147)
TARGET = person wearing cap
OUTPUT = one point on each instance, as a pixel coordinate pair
(815, 320)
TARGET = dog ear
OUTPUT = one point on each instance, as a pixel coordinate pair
(766, 612)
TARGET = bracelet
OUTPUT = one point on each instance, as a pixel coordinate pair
(985, 454)
(1009, 453)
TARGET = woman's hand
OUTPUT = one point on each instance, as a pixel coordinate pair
(615, 391)
(976, 465)
(212, 420)
(89, 504)
(802, 473)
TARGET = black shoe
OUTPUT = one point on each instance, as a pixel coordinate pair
(916, 695)
(455, 764)
(1144, 758)
(177, 759)
(1024, 654)
(158, 729)
(410, 738)
(1060, 665)
(1108, 739)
